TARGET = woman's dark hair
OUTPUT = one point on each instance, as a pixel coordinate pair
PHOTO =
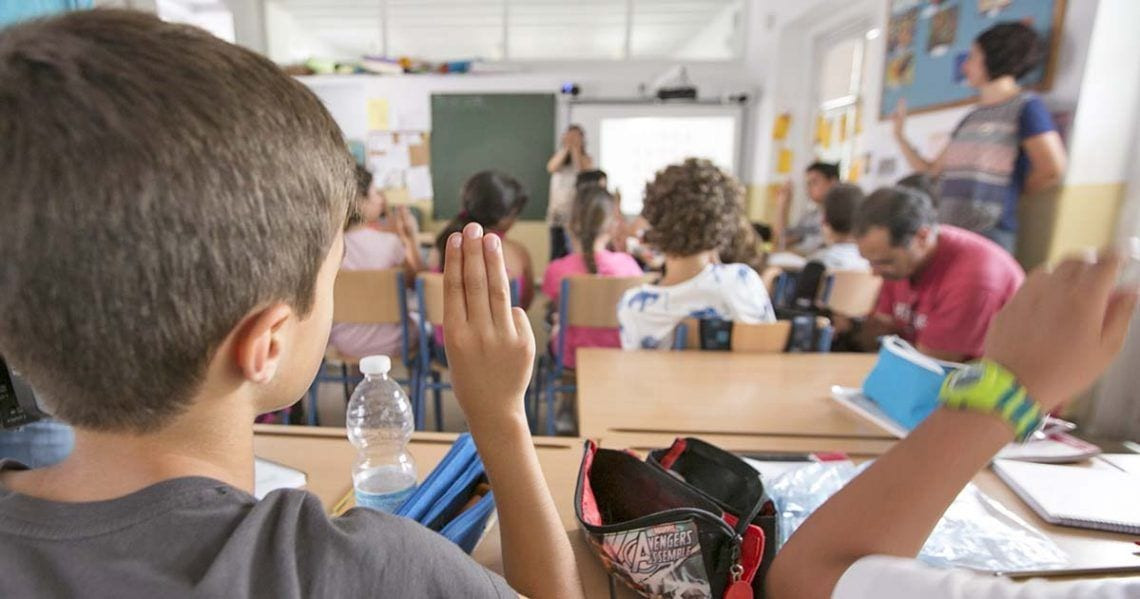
(1010, 48)
(594, 177)
(829, 170)
(363, 180)
(487, 198)
(581, 131)
(592, 214)
(363, 183)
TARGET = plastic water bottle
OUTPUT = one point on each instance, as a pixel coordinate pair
(379, 422)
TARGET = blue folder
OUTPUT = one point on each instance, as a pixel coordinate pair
(438, 502)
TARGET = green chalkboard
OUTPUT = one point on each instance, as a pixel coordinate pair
(513, 133)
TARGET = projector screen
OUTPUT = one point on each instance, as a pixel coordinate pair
(632, 142)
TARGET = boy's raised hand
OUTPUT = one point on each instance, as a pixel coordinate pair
(1063, 327)
(490, 346)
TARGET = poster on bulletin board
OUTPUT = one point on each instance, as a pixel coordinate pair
(928, 40)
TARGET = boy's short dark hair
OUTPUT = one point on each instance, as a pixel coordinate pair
(158, 185)
(692, 207)
(1010, 48)
(840, 205)
(830, 170)
(899, 210)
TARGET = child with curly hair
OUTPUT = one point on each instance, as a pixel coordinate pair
(693, 210)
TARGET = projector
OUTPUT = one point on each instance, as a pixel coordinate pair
(677, 93)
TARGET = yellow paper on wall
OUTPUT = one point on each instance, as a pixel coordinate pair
(859, 120)
(823, 133)
(855, 171)
(784, 161)
(780, 128)
(378, 114)
(843, 127)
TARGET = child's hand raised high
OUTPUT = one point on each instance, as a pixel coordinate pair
(490, 346)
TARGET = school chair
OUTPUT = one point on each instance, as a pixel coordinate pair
(431, 358)
(584, 301)
(771, 277)
(367, 297)
(851, 293)
(762, 338)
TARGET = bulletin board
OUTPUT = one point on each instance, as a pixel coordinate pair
(928, 40)
(400, 162)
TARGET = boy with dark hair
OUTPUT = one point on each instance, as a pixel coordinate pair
(693, 210)
(943, 286)
(806, 235)
(173, 221)
(840, 251)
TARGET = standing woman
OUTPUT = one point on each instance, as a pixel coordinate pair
(564, 166)
(1006, 146)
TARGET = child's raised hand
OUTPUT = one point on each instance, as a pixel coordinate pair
(490, 346)
(1063, 327)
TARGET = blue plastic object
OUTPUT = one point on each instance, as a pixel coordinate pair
(905, 383)
(437, 502)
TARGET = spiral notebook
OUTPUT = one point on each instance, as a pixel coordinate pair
(1083, 497)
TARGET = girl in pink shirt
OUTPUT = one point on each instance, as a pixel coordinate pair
(366, 248)
(592, 224)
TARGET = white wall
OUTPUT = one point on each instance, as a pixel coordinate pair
(1101, 146)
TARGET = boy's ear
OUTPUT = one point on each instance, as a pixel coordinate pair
(259, 343)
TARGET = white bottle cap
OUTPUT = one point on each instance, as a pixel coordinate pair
(375, 365)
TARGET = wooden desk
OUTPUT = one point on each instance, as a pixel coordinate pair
(699, 393)
(325, 455)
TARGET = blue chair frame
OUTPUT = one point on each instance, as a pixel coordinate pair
(551, 367)
(428, 378)
(348, 381)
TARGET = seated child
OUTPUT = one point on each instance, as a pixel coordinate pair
(493, 200)
(173, 212)
(840, 251)
(592, 222)
(693, 210)
(863, 540)
(366, 248)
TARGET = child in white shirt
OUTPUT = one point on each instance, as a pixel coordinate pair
(693, 210)
(859, 543)
(840, 251)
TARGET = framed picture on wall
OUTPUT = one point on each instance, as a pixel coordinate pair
(927, 41)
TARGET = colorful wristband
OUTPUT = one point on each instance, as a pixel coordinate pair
(989, 388)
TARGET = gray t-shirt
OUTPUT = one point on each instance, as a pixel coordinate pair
(198, 537)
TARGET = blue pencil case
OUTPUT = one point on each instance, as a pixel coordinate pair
(905, 383)
(449, 500)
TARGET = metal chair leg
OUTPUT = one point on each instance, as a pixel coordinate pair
(551, 396)
(414, 385)
(437, 398)
(344, 382)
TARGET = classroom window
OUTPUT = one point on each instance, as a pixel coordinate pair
(507, 30)
(839, 101)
